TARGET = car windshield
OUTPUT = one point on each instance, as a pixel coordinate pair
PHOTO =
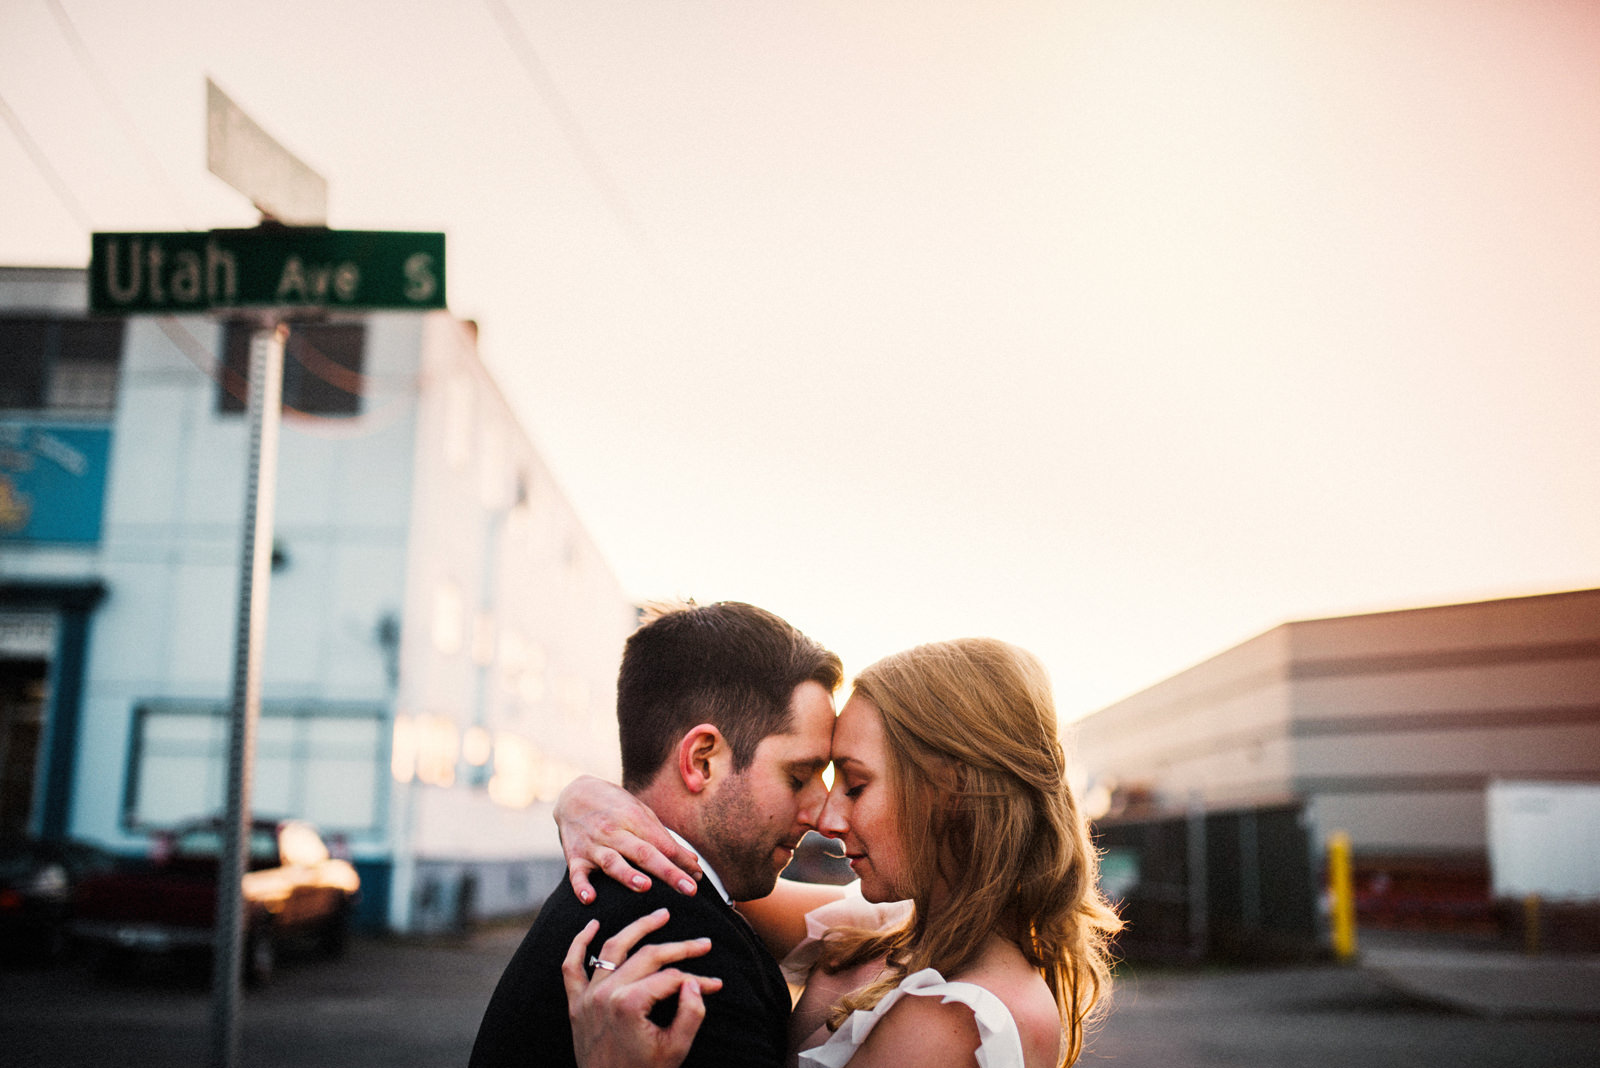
(206, 843)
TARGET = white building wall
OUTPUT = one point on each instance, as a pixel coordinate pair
(170, 547)
(427, 521)
(515, 627)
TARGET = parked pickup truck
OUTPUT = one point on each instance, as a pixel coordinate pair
(293, 889)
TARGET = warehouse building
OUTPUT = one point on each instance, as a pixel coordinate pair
(1389, 727)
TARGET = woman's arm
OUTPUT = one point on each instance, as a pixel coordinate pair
(780, 917)
(921, 1031)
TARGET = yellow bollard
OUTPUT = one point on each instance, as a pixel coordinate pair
(1531, 923)
(1342, 891)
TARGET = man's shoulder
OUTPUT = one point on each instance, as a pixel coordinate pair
(616, 906)
(611, 898)
(746, 1022)
(610, 893)
(534, 969)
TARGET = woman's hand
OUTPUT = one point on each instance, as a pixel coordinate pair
(610, 1010)
(604, 828)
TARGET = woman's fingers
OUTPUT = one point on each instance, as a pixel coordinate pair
(605, 828)
(691, 1011)
(611, 1019)
(573, 975)
(652, 858)
(578, 870)
(618, 950)
(660, 854)
(654, 957)
(639, 996)
(613, 864)
(610, 1010)
(629, 848)
(628, 966)
(619, 945)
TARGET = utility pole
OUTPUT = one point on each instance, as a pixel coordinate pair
(291, 263)
(255, 573)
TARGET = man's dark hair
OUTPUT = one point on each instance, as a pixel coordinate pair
(732, 665)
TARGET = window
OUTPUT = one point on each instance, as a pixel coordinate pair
(59, 365)
(322, 368)
(314, 762)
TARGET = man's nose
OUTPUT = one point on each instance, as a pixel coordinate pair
(812, 801)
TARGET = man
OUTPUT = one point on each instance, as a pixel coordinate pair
(725, 716)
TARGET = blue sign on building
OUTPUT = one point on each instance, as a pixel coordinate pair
(52, 480)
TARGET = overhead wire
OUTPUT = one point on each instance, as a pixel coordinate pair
(47, 171)
(566, 120)
(130, 129)
(594, 165)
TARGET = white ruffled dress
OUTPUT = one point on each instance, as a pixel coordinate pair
(999, 1041)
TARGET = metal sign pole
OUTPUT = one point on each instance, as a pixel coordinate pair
(255, 564)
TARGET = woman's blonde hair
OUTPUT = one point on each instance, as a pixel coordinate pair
(986, 813)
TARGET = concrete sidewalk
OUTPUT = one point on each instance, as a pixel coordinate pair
(1487, 979)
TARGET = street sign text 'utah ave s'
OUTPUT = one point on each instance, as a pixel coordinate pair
(268, 267)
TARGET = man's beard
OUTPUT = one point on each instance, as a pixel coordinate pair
(738, 847)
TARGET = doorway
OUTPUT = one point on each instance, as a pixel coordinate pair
(24, 696)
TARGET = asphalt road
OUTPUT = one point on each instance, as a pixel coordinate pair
(396, 1003)
(402, 1003)
(1316, 1017)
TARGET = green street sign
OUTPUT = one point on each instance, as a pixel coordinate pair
(270, 267)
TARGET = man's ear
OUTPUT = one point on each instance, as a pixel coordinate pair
(700, 757)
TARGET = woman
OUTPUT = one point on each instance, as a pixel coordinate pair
(950, 794)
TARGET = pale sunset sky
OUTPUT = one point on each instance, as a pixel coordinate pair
(1120, 330)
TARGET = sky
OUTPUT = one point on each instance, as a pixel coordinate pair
(1123, 331)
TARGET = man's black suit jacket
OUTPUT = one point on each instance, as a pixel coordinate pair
(746, 1023)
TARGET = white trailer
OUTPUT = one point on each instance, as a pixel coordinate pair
(1544, 840)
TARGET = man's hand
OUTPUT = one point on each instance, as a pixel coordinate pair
(603, 827)
(610, 1009)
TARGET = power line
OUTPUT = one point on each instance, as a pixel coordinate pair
(41, 163)
(588, 157)
(130, 129)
